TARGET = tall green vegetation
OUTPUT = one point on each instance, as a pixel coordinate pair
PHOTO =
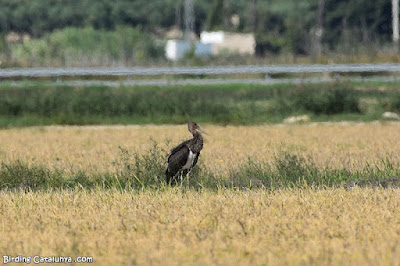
(225, 104)
(73, 46)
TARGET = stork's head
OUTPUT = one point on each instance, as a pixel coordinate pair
(193, 128)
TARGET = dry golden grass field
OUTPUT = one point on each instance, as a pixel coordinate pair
(95, 148)
(181, 226)
(175, 227)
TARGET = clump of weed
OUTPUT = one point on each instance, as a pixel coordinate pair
(385, 174)
(292, 169)
(22, 176)
(135, 170)
(288, 170)
(251, 174)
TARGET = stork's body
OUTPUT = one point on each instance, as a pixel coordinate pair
(184, 157)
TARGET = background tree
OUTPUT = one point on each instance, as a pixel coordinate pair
(216, 16)
(280, 26)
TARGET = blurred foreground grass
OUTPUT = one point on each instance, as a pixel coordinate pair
(175, 226)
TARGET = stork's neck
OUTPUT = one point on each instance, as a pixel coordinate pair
(196, 143)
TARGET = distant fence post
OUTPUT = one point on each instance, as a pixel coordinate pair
(395, 22)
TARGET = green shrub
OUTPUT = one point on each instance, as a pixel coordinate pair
(329, 101)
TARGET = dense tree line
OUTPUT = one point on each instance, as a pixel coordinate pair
(279, 25)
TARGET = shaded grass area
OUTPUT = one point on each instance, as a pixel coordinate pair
(146, 171)
(222, 104)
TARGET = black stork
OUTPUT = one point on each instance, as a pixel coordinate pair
(184, 157)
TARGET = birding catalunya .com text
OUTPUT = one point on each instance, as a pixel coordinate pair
(45, 259)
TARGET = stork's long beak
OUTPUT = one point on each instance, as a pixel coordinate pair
(202, 131)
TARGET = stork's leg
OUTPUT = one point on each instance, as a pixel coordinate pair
(186, 173)
(171, 178)
(181, 176)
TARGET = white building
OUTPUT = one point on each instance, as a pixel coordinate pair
(176, 49)
(212, 43)
(242, 43)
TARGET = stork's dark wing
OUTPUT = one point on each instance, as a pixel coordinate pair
(177, 159)
(177, 148)
(195, 159)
